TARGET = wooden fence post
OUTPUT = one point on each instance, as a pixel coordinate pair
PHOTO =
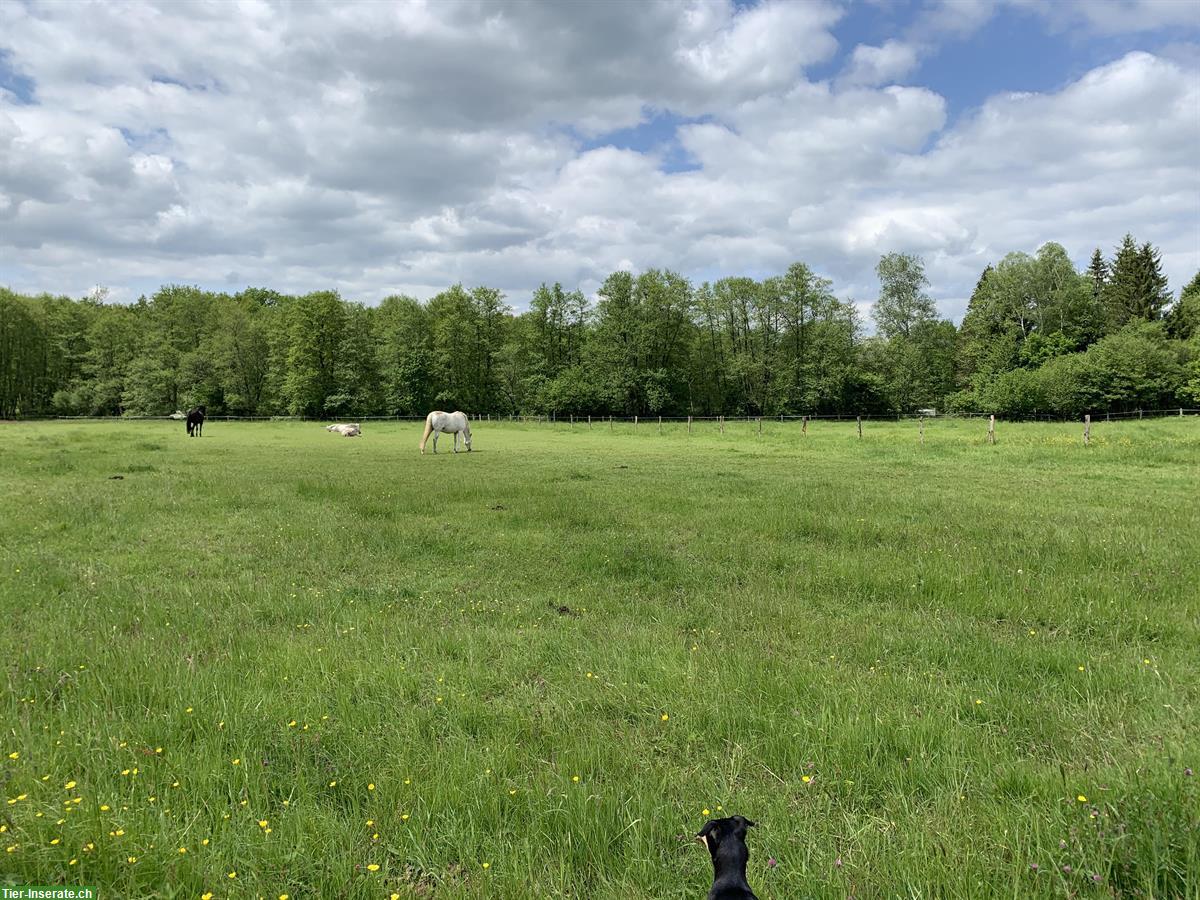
(804, 425)
(921, 425)
(660, 424)
(689, 424)
(635, 423)
(722, 418)
(610, 428)
(859, 418)
(1087, 429)
(572, 420)
(760, 424)
(1139, 413)
(1181, 412)
(991, 429)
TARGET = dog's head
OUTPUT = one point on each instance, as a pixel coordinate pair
(718, 832)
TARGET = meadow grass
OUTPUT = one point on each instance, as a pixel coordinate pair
(950, 670)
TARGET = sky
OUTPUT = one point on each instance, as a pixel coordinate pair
(402, 147)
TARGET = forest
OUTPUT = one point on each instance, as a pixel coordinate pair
(1039, 338)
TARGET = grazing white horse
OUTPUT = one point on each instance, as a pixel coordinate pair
(456, 423)
(352, 430)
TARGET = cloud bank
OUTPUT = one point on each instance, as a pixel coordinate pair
(382, 148)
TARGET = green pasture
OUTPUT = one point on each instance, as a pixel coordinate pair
(278, 661)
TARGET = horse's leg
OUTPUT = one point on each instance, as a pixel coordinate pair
(455, 441)
(435, 437)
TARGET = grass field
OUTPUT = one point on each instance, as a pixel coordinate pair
(337, 668)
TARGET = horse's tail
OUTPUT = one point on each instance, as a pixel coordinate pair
(428, 431)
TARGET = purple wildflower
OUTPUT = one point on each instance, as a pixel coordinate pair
(772, 863)
(1033, 867)
(838, 862)
(1096, 879)
(1067, 869)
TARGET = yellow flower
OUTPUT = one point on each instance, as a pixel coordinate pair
(158, 749)
(806, 778)
(404, 817)
(205, 842)
(69, 785)
(513, 791)
(207, 895)
(704, 812)
(283, 897)
(1080, 668)
(237, 762)
(72, 862)
(487, 865)
(1146, 661)
(575, 778)
(183, 849)
(188, 710)
(370, 822)
(372, 867)
(292, 724)
(262, 823)
(119, 832)
(104, 807)
(1081, 798)
(14, 755)
(55, 841)
(131, 859)
(408, 781)
(664, 717)
(233, 874)
(11, 848)
(124, 771)
(370, 787)
(978, 702)
(333, 784)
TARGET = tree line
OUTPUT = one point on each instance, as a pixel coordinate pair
(1038, 338)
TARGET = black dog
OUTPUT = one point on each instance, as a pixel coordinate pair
(726, 843)
(195, 421)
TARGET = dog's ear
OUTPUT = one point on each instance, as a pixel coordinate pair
(710, 834)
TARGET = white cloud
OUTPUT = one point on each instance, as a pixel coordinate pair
(880, 65)
(379, 147)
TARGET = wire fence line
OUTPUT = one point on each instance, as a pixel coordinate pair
(570, 419)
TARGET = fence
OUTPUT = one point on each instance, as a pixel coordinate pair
(658, 421)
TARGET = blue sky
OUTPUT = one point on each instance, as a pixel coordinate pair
(401, 147)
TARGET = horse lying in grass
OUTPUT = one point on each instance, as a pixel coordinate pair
(456, 423)
(195, 421)
(348, 430)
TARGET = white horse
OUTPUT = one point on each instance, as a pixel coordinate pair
(350, 430)
(456, 423)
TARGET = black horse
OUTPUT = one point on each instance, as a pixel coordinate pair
(195, 421)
